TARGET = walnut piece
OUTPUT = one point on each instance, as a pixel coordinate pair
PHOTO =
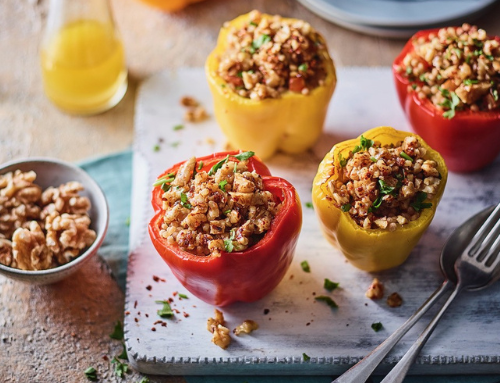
(29, 248)
(6, 257)
(394, 300)
(246, 327)
(65, 199)
(220, 333)
(376, 290)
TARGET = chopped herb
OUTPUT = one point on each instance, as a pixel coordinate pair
(303, 67)
(451, 104)
(200, 165)
(384, 188)
(305, 266)
(166, 310)
(120, 368)
(329, 285)
(183, 296)
(478, 52)
(227, 212)
(156, 148)
(366, 143)
(419, 203)
(409, 70)
(165, 187)
(222, 185)
(222, 85)
(490, 57)
(167, 179)
(91, 373)
(144, 380)
(467, 59)
(329, 301)
(422, 77)
(309, 205)
(123, 355)
(261, 40)
(217, 166)
(235, 169)
(469, 81)
(185, 202)
(405, 156)
(127, 221)
(414, 86)
(117, 331)
(239, 74)
(376, 204)
(346, 207)
(377, 326)
(342, 160)
(306, 357)
(244, 156)
(494, 92)
(175, 144)
(228, 243)
(458, 52)
(253, 23)
(179, 127)
(373, 159)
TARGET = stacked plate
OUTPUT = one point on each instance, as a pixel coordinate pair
(397, 18)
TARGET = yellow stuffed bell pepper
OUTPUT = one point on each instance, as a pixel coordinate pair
(291, 122)
(371, 249)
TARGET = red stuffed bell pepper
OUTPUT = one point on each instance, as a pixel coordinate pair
(219, 265)
(448, 82)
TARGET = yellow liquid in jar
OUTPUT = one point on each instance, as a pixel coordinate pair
(83, 67)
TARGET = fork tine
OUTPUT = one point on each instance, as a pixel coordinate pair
(483, 231)
(493, 257)
(488, 242)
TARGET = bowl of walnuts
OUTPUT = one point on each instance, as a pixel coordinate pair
(53, 219)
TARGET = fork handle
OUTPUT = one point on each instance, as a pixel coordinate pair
(363, 369)
(398, 373)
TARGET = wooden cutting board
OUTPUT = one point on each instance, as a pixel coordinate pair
(297, 334)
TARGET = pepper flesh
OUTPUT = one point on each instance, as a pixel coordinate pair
(170, 5)
(291, 123)
(247, 275)
(369, 249)
(469, 141)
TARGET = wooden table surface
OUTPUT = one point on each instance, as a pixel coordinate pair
(53, 333)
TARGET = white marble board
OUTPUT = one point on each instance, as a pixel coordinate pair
(466, 341)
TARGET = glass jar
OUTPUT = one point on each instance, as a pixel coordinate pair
(82, 57)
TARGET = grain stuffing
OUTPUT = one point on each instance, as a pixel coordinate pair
(41, 230)
(385, 187)
(457, 68)
(223, 209)
(267, 57)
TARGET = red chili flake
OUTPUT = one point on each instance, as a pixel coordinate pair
(158, 322)
(73, 334)
(155, 278)
(194, 306)
(153, 329)
(127, 312)
(308, 323)
(164, 324)
(149, 287)
(314, 293)
(266, 311)
(105, 357)
(138, 313)
(175, 293)
(170, 300)
(291, 276)
(136, 320)
(135, 304)
(185, 314)
(176, 311)
(147, 315)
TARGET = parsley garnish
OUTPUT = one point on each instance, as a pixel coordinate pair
(244, 156)
(217, 166)
(117, 331)
(228, 243)
(222, 185)
(329, 285)
(409, 70)
(376, 204)
(422, 77)
(261, 40)
(156, 148)
(253, 23)
(305, 266)
(494, 92)
(184, 201)
(120, 368)
(419, 203)
(346, 207)
(384, 188)
(200, 165)
(123, 355)
(405, 156)
(365, 144)
(309, 205)
(373, 159)
(144, 380)
(227, 212)
(91, 373)
(377, 326)
(306, 357)
(329, 301)
(451, 104)
(166, 310)
(163, 180)
(469, 81)
(303, 67)
(183, 296)
(175, 144)
(179, 127)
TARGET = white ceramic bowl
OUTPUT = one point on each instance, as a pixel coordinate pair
(52, 172)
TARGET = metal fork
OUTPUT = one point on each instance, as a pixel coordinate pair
(477, 268)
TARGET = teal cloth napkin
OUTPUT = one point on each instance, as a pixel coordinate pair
(114, 174)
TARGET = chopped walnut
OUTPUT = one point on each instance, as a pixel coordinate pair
(65, 199)
(6, 257)
(394, 300)
(246, 327)
(376, 290)
(29, 248)
(196, 114)
(189, 101)
(220, 333)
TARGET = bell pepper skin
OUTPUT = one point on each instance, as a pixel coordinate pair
(291, 123)
(170, 5)
(369, 249)
(468, 142)
(247, 275)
